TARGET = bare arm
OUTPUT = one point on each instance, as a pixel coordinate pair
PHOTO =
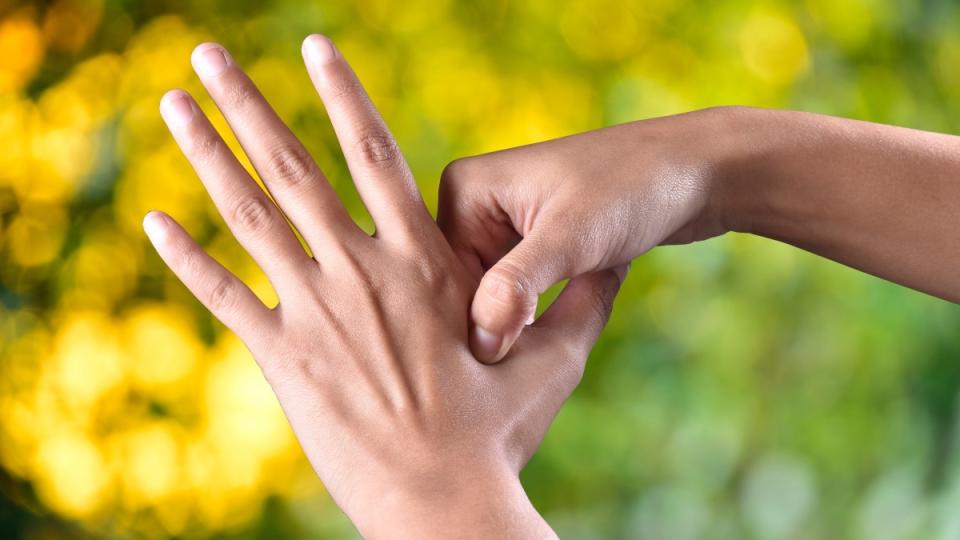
(882, 199)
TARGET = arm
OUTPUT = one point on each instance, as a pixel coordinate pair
(367, 349)
(882, 199)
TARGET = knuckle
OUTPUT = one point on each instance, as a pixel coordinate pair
(252, 214)
(454, 172)
(378, 149)
(507, 285)
(456, 176)
(290, 164)
(456, 189)
(456, 202)
(449, 179)
(221, 296)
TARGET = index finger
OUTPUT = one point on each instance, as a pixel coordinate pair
(379, 170)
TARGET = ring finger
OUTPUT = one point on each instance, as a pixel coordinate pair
(254, 220)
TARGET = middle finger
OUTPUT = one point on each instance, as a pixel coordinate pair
(287, 169)
(254, 220)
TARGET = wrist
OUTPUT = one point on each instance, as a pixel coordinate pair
(751, 142)
(473, 503)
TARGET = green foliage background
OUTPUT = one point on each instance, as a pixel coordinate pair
(743, 389)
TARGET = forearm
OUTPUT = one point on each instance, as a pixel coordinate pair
(879, 198)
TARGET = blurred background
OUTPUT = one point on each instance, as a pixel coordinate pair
(743, 389)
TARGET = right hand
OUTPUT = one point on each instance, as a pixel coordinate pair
(526, 218)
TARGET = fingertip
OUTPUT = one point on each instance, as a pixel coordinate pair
(176, 108)
(210, 59)
(318, 49)
(202, 48)
(502, 307)
(156, 224)
(172, 94)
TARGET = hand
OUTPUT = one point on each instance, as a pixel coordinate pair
(367, 350)
(878, 198)
(526, 218)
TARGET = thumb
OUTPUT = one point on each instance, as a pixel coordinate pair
(506, 298)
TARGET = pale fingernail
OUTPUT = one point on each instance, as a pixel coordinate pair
(155, 225)
(486, 344)
(176, 109)
(319, 50)
(530, 319)
(210, 60)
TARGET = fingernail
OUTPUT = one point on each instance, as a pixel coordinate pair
(210, 60)
(176, 109)
(486, 343)
(530, 319)
(155, 225)
(318, 50)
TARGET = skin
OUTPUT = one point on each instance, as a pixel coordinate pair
(368, 349)
(878, 198)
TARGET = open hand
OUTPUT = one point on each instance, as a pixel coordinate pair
(367, 350)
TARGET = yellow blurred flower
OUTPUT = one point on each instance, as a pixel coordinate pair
(157, 59)
(87, 360)
(286, 85)
(71, 473)
(36, 234)
(241, 410)
(150, 457)
(161, 346)
(62, 156)
(948, 64)
(539, 108)
(773, 47)
(86, 97)
(21, 50)
(403, 17)
(850, 22)
(163, 180)
(458, 88)
(101, 271)
(609, 30)
(17, 117)
(68, 24)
